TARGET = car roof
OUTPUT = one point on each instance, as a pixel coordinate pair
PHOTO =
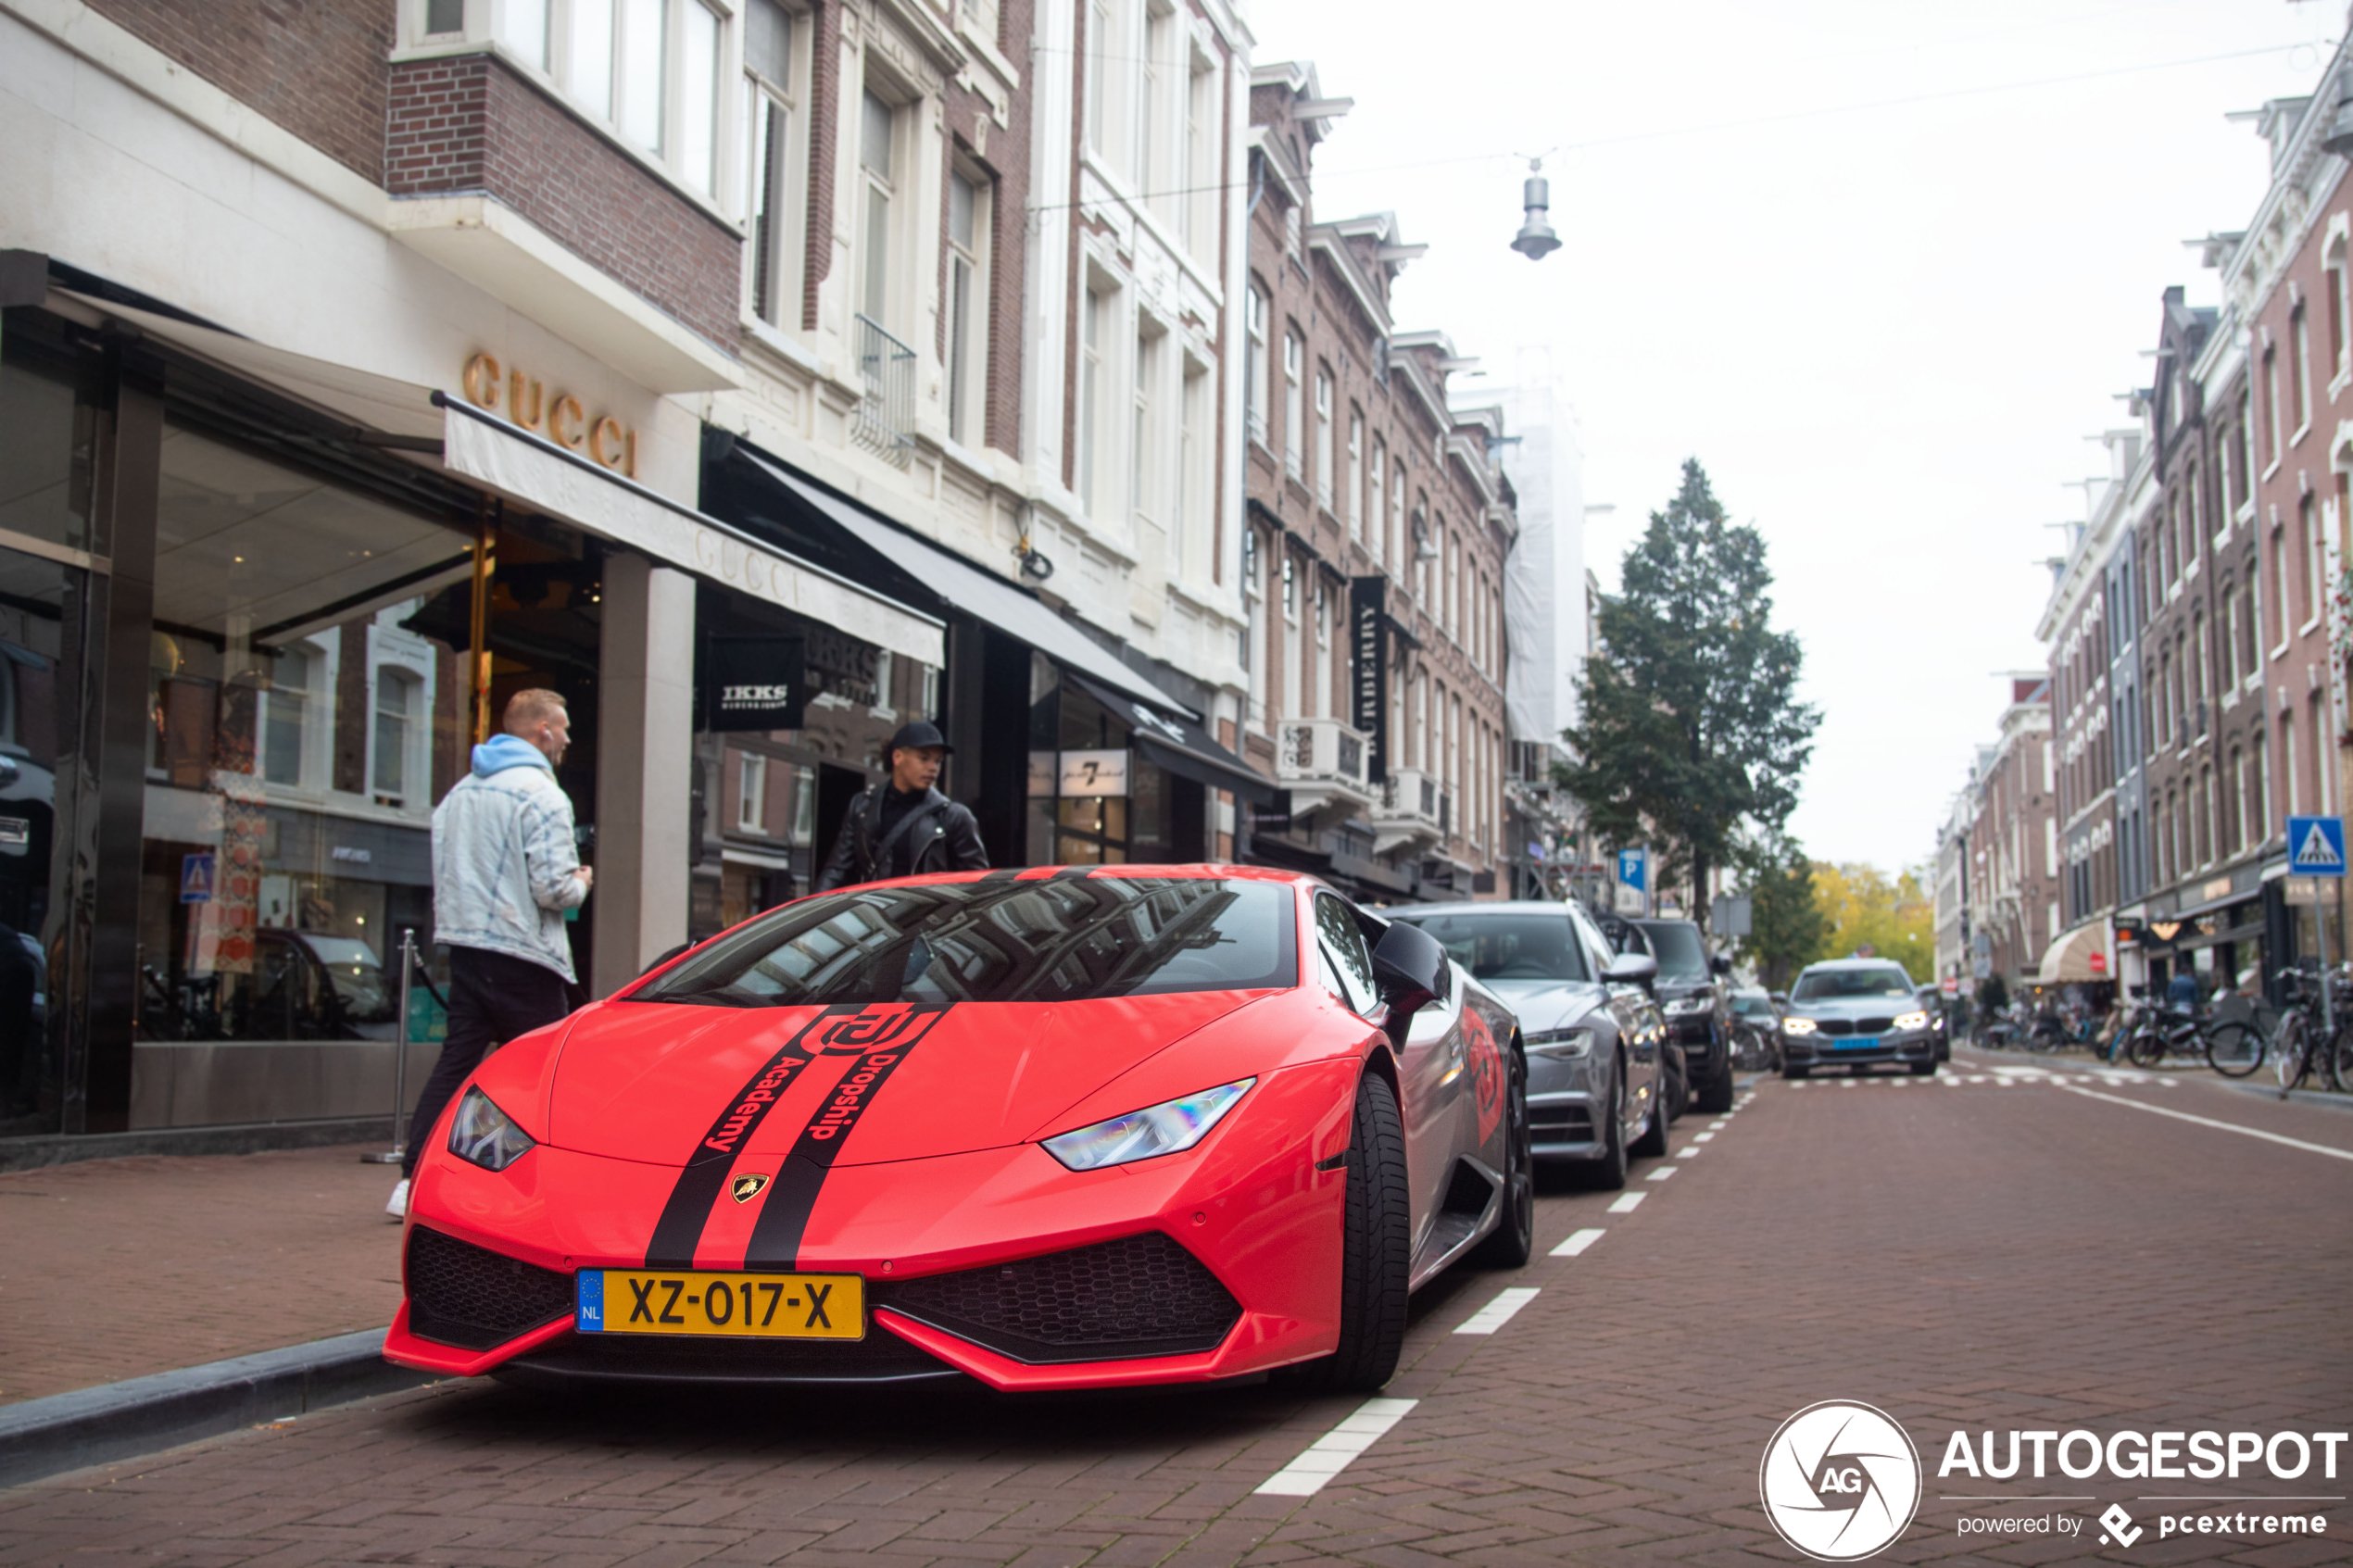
(1660, 920)
(1479, 906)
(1851, 963)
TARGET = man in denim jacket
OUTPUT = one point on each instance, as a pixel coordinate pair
(504, 869)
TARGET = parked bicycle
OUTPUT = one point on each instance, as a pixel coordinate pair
(2301, 1050)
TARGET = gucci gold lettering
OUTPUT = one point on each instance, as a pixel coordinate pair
(564, 422)
(482, 381)
(531, 404)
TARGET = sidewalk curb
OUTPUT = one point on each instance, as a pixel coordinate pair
(142, 1415)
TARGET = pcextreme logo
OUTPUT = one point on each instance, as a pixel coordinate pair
(1840, 1481)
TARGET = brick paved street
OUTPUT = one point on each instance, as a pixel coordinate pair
(250, 1253)
(2005, 1251)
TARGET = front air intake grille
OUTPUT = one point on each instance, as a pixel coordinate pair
(1873, 1025)
(1835, 1026)
(1140, 1296)
(473, 1297)
(1560, 1123)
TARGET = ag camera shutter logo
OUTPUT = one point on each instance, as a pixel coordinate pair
(1840, 1481)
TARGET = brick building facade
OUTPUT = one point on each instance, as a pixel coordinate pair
(1372, 566)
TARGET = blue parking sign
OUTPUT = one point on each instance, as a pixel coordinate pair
(2316, 847)
(1633, 868)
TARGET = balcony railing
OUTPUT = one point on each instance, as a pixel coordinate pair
(1408, 817)
(886, 421)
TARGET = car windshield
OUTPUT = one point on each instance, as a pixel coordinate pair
(1508, 944)
(1756, 1006)
(1677, 947)
(1843, 984)
(1061, 939)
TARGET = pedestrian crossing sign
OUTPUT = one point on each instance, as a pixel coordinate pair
(2316, 846)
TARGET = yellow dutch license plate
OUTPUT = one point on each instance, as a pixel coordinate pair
(741, 1305)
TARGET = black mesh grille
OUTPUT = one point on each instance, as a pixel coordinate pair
(471, 1297)
(1140, 1296)
(1873, 1025)
(1576, 1118)
(1835, 1026)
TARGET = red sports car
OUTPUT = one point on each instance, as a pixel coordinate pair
(1056, 1128)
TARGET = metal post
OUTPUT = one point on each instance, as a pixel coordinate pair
(2328, 978)
(400, 1053)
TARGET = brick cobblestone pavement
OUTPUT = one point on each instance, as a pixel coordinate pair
(1997, 1254)
(117, 1268)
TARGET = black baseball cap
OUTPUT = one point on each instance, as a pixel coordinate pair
(919, 734)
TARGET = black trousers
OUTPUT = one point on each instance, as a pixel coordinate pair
(493, 997)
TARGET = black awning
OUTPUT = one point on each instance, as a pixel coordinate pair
(1182, 745)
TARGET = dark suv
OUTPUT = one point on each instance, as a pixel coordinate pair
(1697, 999)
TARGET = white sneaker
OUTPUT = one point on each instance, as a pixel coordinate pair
(398, 1207)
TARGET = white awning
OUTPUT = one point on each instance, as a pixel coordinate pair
(2069, 957)
(550, 478)
(978, 593)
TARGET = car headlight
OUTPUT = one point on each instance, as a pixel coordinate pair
(1682, 1006)
(1170, 1127)
(1912, 1020)
(1560, 1044)
(1797, 1027)
(482, 1134)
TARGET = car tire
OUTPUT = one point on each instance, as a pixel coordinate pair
(1924, 1069)
(1607, 1173)
(1375, 1245)
(1652, 1144)
(1679, 1093)
(1715, 1096)
(1513, 1241)
(1790, 1069)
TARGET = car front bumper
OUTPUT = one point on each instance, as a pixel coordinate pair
(1258, 1205)
(1829, 1050)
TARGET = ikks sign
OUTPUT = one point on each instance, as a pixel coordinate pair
(754, 683)
(528, 403)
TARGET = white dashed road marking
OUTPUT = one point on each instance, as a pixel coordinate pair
(1330, 1454)
(1662, 1173)
(1702, 1138)
(1498, 1313)
(1628, 1204)
(2209, 1121)
(1580, 1240)
(1687, 1151)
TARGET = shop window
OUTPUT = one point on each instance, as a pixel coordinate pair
(45, 435)
(287, 809)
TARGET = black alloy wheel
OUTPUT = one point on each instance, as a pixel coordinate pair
(1513, 1241)
(1376, 1247)
(1607, 1172)
(1715, 1096)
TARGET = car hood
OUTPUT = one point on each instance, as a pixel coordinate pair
(650, 1081)
(1546, 1004)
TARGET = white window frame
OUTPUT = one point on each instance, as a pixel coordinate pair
(751, 793)
(886, 184)
(964, 370)
(1294, 401)
(775, 195)
(543, 38)
(1256, 386)
(1351, 492)
(1325, 457)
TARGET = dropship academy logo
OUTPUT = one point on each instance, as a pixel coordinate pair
(1840, 1481)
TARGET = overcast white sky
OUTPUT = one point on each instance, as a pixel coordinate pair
(1886, 332)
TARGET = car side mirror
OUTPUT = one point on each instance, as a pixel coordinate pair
(1631, 969)
(1720, 964)
(1411, 970)
(1780, 999)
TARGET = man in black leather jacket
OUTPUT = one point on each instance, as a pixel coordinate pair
(905, 827)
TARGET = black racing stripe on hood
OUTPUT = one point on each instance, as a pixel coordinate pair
(881, 1040)
(679, 1230)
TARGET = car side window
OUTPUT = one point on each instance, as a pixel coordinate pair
(1597, 948)
(1348, 962)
